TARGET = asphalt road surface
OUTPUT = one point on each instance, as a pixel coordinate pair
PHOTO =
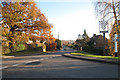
(53, 65)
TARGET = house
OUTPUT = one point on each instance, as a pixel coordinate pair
(98, 41)
(97, 44)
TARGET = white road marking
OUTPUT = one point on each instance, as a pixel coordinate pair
(35, 60)
(15, 64)
(4, 67)
(29, 62)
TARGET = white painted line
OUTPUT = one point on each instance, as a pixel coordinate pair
(15, 64)
(29, 62)
(4, 67)
(35, 60)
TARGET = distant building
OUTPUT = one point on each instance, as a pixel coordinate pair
(67, 42)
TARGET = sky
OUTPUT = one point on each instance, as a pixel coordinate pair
(70, 18)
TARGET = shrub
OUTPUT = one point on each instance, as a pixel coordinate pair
(6, 51)
(93, 50)
(5, 48)
(51, 47)
(31, 46)
(20, 47)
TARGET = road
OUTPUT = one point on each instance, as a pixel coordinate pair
(53, 65)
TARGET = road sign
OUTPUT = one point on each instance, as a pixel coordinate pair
(103, 28)
(103, 31)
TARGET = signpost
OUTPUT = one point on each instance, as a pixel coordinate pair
(103, 29)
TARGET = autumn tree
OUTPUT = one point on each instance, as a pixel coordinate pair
(12, 14)
(23, 21)
(108, 11)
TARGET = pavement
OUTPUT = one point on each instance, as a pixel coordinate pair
(103, 60)
(8, 56)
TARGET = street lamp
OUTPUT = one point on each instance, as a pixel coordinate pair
(103, 29)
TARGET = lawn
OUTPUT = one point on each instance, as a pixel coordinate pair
(24, 53)
(82, 53)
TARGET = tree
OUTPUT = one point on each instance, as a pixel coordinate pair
(82, 40)
(58, 44)
(12, 14)
(23, 21)
(108, 10)
(85, 38)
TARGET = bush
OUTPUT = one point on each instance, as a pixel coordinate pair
(6, 51)
(5, 48)
(93, 50)
(31, 46)
(76, 47)
(20, 47)
(51, 47)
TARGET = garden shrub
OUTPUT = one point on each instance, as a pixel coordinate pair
(5, 51)
(51, 47)
(20, 47)
(92, 50)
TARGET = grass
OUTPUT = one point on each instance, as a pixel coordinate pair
(25, 52)
(82, 53)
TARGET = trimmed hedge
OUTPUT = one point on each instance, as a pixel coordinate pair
(93, 50)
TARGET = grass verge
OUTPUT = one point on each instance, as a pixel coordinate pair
(82, 53)
(24, 53)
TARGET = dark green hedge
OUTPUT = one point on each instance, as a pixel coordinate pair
(93, 50)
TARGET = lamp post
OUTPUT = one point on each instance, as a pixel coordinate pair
(103, 29)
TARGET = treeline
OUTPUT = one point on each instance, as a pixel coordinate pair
(23, 23)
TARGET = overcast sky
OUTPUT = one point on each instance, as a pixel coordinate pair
(70, 18)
